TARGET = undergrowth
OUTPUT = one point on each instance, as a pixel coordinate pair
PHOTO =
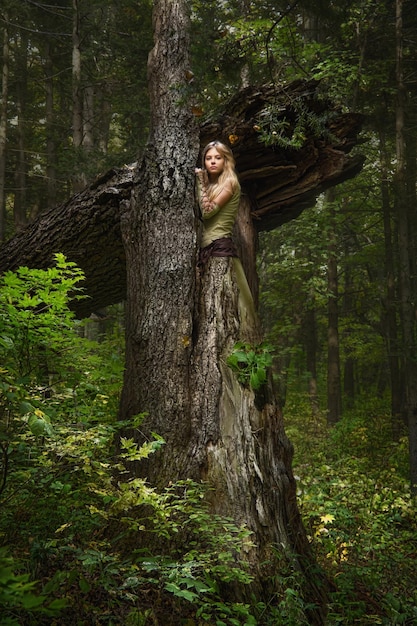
(355, 500)
(74, 522)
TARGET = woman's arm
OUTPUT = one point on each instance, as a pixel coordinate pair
(209, 207)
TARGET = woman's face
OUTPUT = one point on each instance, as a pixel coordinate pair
(214, 162)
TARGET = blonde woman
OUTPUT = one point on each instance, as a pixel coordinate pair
(219, 196)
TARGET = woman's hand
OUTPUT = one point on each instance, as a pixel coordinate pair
(202, 176)
(209, 207)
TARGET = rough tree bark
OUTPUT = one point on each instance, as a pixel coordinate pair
(179, 332)
(160, 240)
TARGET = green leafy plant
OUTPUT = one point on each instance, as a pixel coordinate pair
(37, 340)
(69, 523)
(18, 594)
(251, 363)
(55, 389)
(58, 407)
(36, 323)
(211, 557)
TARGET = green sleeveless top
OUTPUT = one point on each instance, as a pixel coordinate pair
(219, 222)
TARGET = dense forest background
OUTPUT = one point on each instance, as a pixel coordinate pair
(338, 294)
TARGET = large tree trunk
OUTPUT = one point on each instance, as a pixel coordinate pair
(180, 332)
(159, 234)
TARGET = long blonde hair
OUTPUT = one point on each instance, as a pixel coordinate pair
(228, 175)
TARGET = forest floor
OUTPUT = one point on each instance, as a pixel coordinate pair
(354, 494)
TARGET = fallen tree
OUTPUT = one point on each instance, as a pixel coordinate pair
(279, 181)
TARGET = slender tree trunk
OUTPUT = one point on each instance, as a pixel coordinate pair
(50, 134)
(180, 332)
(311, 354)
(334, 396)
(103, 130)
(20, 208)
(349, 363)
(79, 180)
(3, 128)
(405, 258)
(309, 333)
(411, 185)
(88, 118)
(390, 307)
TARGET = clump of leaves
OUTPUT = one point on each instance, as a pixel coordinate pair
(251, 363)
(18, 593)
(37, 339)
(288, 606)
(204, 552)
(210, 556)
(53, 385)
(201, 552)
(64, 514)
(36, 323)
(289, 126)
